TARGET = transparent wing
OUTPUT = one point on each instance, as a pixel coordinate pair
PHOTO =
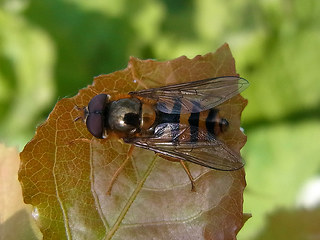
(194, 96)
(174, 140)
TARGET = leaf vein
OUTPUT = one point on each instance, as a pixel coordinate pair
(65, 218)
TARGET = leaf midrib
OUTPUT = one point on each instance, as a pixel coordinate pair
(126, 208)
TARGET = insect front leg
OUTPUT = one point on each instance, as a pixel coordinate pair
(83, 113)
(116, 174)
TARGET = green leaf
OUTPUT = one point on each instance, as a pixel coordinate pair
(26, 59)
(295, 224)
(279, 160)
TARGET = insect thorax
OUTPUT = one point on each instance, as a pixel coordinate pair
(124, 115)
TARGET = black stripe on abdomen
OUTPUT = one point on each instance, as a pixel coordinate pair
(175, 131)
(194, 124)
(172, 118)
(211, 120)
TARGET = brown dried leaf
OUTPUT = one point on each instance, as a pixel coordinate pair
(66, 180)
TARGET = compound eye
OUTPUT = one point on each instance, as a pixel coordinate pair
(95, 118)
(95, 125)
(98, 102)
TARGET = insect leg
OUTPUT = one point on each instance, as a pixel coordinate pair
(83, 111)
(116, 174)
(193, 189)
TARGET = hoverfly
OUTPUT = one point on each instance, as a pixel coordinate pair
(176, 121)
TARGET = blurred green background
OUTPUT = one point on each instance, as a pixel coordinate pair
(51, 49)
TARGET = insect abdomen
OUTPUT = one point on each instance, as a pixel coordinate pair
(215, 124)
(201, 125)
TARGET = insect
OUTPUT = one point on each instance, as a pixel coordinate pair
(178, 122)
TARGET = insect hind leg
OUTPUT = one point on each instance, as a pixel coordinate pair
(186, 169)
